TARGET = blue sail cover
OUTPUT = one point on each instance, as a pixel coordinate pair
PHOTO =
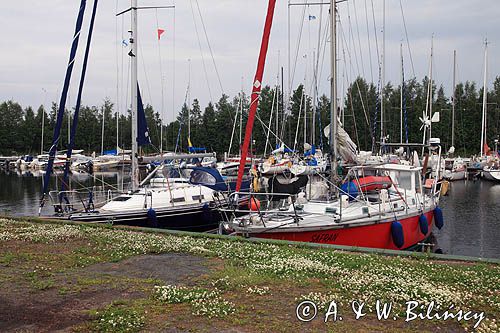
(143, 138)
(196, 149)
(112, 152)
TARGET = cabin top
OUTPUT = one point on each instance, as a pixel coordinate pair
(398, 167)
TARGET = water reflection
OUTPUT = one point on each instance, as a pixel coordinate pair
(20, 191)
(472, 223)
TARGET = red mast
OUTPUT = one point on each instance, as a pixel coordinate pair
(257, 85)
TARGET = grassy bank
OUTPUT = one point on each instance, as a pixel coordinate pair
(56, 276)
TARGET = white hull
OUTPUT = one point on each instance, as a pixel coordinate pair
(493, 175)
(305, 170)
(106, 165)
(272, 169)
(454, 175)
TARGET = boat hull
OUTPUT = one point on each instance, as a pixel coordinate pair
(376, 235)
(493, 175)
(273, 169)
(455, 175)
(188, 218)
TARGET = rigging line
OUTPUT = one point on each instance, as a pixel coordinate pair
(316, 65)
(201, 51)
(354, 118)
(270, 120)
(145, 74)
(234, 125)
(355, 81)
(161, 85)
(407, 39)
(210, 48)
(297, 49)
(349, 98)
(359, 38)
(369, 42)
(375, 33)
(325, 42)
(298, 119)
(351, 42)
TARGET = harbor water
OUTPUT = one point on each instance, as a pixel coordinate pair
(471, 210)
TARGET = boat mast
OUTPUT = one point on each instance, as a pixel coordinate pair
(382, 94)
(453, 96)
(189, 100)
(241, 117)
(256, 88)
(43, 120)
(401, 97)
(431, 89)
(485, 98)
(102, 130)
(276, 134)
(333, 88)
(134, 91)
(305, 107)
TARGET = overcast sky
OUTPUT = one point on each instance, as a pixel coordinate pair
(36, 38)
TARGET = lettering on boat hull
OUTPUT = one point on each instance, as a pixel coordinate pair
(324, 237)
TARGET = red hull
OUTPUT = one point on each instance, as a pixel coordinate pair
(373, 236)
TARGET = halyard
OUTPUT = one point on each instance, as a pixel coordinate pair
(82, 278)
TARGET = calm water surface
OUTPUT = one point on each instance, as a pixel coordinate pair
(471, 210)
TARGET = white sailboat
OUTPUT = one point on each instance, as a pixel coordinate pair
(455, 168)
(155, 202)
(491, 169)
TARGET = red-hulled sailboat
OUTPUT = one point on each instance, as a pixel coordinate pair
(383, 206)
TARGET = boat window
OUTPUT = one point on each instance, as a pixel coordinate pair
(171, 173)
(174, 200)
(200, 177)
(404, 180)
(121, 198)
(198, 197)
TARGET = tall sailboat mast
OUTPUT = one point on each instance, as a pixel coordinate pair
(485, 98)
(189, 101)
(133, 93)
(382, 94)
(431, 89)
(401, 96)
(256, 88)
(453, 97)
(333, 87)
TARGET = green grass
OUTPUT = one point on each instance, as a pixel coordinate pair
(120, 316)
(290, 273)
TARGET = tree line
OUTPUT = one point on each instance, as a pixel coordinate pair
(212, 126)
